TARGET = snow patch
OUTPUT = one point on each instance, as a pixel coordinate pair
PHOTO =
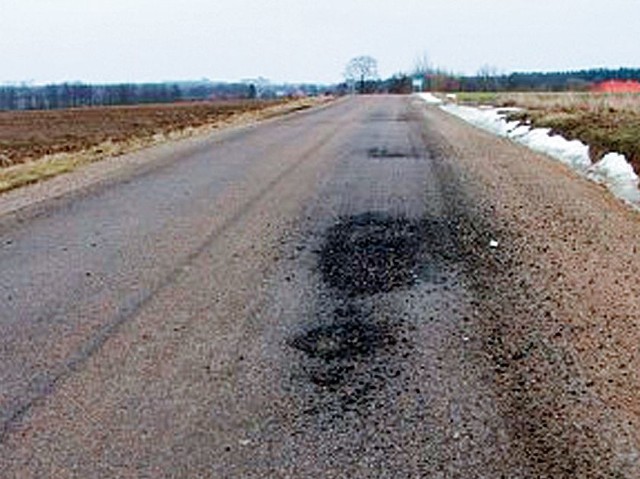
(573, 153)
(617, 174)
(490, 119)
(613, 170)
(430, 98)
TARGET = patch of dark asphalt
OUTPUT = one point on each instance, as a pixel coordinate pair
(354, 349)
(384, 117)
(350, 361)
(370, 253)
(346, 338)
(382, 153)
(375, 253)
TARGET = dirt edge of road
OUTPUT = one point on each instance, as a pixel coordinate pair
(558, 330)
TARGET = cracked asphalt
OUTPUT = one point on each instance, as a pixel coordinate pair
(370, 289)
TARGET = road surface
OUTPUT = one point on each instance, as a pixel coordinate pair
(368, 289)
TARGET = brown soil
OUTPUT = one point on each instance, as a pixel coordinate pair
(29, 135)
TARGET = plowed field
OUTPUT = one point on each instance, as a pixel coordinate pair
(29, 135)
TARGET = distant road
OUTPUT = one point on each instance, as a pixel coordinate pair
(368, 289)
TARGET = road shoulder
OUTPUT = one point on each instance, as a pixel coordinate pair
(558, 314)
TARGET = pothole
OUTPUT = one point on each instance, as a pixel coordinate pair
(371, 253)
(353, 353)
(344, 339)
(347, 361)
(379, 153)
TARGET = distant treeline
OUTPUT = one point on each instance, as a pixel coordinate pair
(397, 84)
(489, 80)
(580, 80)
(76, 95)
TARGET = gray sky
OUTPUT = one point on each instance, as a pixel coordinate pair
(305, 40)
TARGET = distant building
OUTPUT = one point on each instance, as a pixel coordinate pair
(617, 86)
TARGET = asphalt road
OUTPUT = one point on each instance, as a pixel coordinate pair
(347, 292)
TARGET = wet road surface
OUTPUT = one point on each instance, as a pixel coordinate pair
(318, 296)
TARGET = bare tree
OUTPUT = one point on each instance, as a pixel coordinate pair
(422, 66)
(258, 87)
(361, 70)
(488, 76)
(422, 71)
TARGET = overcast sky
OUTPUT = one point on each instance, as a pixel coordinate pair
(305, 40)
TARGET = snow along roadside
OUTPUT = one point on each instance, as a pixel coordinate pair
(613, 170)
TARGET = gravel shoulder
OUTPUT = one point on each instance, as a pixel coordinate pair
(559, 314)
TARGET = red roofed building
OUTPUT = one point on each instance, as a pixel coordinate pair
(617, 86)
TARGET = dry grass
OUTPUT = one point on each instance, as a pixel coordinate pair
(42, 144)
(607, 122)
(570, 101)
